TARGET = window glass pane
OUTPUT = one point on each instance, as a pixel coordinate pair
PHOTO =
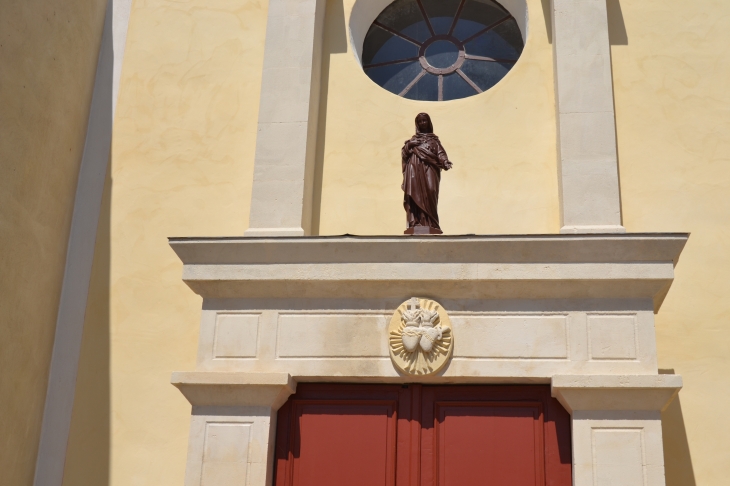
(482, 12)
(455, 87)
(467, 28)
(442, 54)
(492, 45)
(441, 13)
(402, 14)
(418, 31)
(485, 74)
(427, 89)
(394, 49)
(374, 40)
(395, 77)
(510, 32)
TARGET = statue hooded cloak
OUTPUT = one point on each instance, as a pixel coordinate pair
(422, 165)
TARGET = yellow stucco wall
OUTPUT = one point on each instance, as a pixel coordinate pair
(671, 69)
(183, 161)
(182, 164)
(502, 143)
(48, 53)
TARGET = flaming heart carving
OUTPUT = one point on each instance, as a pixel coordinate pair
(420, 343)
(420, 328)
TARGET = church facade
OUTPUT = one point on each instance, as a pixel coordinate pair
(223, 281)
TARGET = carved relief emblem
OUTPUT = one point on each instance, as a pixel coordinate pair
(420, 337)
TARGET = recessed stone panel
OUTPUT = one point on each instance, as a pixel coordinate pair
(612, 337)
(520, 337)
(332, 336)
(225, 456)
(236, 336)
(618, 457)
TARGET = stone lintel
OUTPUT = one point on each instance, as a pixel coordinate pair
(615, 392)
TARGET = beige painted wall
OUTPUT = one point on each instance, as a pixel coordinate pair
(671, 70)
(183, 161)
(48, 53)
(502, 143)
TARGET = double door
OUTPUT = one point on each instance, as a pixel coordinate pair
(417, 435)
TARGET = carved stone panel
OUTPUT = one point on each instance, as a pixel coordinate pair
(420, 337)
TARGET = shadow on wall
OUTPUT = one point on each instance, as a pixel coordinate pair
(334, 42)
(677, 458)
(617, 35)
(88, 453)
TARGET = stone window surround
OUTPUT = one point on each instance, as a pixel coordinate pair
(281, 202)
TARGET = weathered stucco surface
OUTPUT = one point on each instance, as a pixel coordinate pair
(182, 163)
(48, 53)
(671, 68)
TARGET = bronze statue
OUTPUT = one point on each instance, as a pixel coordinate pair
(423, 157)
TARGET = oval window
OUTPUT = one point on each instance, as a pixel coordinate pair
(438, 50)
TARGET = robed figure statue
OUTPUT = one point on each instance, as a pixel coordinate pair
(423, 158)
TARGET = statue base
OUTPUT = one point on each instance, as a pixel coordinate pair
(423, 230)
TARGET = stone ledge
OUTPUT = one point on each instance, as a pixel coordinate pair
(631, 266)
(615, 392)
(227, 389)
(565, 248)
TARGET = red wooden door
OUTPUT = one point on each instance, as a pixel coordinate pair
(413, 435)
(494, 436)
(341, 435)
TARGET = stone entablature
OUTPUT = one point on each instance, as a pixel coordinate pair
(638, 267)
(575, 311)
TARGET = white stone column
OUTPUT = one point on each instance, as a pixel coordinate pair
(590, 200)
(616, 427)
(233, 425)
(281, 200)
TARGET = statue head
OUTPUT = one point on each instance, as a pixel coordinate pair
(423, 123)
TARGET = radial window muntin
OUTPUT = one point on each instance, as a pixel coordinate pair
(424, 63)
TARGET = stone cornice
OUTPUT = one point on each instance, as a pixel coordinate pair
(637, 266)
(598, 248)
(616, 392)
(211, 388)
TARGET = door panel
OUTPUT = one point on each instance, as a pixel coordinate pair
(414, 435)
(342, 434)
(341, 442)
(489, 443)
